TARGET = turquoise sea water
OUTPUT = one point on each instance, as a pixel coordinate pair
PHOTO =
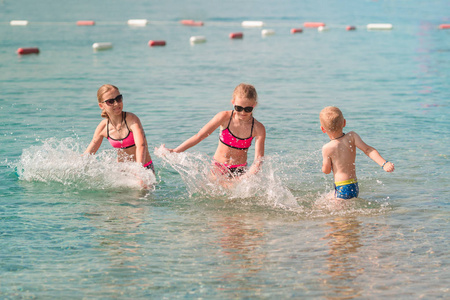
(77, 227)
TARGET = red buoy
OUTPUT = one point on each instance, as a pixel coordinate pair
(350, 28)
(444, 26)
(236, 35)
(152, 43)
(191, 23)
(296, 30)
(85, 23)
(22, 51)
(313, 24)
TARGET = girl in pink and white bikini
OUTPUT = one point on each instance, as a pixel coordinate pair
(238, 128)
(123, 130)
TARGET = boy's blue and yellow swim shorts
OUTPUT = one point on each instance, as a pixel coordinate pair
(346, 189)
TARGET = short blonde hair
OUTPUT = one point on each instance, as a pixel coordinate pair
(103, 90)
(332, 119)
(246, 91)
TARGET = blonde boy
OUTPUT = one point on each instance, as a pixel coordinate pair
(339, 154)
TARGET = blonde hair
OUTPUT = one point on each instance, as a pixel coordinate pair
(246, 91)
(103, 90)
(332, 119)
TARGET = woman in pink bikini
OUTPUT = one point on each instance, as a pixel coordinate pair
(123, 130)
(238, 129)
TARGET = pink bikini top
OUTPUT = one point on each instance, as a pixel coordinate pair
(124, 143)
(232, 141)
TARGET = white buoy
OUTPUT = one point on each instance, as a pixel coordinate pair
(18, 23)
(252, 24)
(137, 22)
(267, 32)
(197, 39)
(323, 28)
(379, 26)
(102, 46)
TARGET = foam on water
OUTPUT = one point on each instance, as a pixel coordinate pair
(266, 188)
(194, 168)
(62, 161)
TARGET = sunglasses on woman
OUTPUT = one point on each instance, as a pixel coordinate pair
(246, 109)
(110, 102)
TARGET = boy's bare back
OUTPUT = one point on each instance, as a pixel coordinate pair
(339, 156)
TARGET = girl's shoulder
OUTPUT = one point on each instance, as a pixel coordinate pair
(259, 127)
(223, 116)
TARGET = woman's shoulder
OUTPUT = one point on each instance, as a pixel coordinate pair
(102, 124)
(131, 118)
(101, 128)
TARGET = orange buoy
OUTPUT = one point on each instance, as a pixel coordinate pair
(350, 28)
(444, 26)
(153, 43)
(296, 30)
(313, 24)
(85, 23)
(236, 35)
(22, 51)
(191, 23)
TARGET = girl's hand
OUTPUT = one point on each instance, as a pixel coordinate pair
(162, 150)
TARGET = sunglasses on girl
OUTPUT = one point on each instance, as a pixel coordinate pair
(246, 109)
(110, 102)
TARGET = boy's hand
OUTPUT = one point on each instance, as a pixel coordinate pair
(389, 167)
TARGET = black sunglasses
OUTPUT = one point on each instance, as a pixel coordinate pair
(110, 102)
(246, 109)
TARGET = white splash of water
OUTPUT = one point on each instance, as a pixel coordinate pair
(62, 161)
(264, 188)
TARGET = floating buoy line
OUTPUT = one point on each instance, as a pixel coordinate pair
(99, 46)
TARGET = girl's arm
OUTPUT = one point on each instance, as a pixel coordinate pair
(203, 133)
(373, 153)
(139, 137)
(259, 149)
(97, 139)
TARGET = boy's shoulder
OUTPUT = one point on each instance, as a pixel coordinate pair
(328, 146)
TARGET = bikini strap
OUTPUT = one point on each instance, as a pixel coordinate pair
(125, 120)
(253, 123)
(228, 126)
(107, 128)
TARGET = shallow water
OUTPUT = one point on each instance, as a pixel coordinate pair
(82, 227)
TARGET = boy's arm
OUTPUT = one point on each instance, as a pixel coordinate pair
(373, 154)
(326, 161)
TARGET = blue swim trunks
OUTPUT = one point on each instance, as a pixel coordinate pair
(346, 189)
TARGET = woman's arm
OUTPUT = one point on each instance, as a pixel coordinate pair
(203, 133)
(97, 139)
(139, 137)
